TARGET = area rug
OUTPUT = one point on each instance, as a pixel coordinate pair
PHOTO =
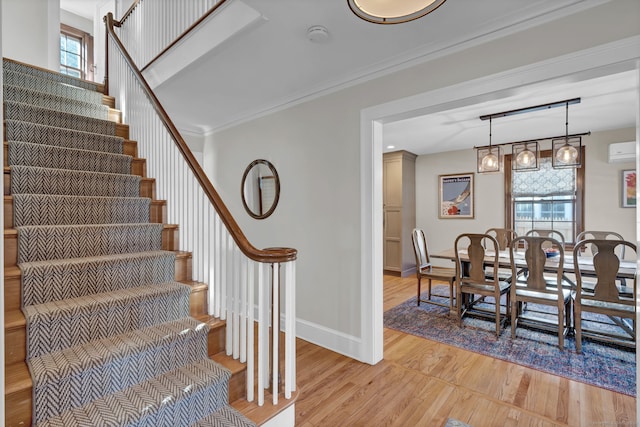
(602, 365)
(455, 423)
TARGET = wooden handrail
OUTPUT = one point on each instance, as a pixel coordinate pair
(128, 12)
(184, 33)
(270, 255)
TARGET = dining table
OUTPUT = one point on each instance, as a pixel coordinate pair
(627, 270)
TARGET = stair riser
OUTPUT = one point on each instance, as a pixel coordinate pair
(12, 286)
(147, 185)
(18, 405)
(138, 166)
(169, 243)
(16, 341)
(157, 212)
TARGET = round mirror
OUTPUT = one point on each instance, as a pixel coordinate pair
(260, 189)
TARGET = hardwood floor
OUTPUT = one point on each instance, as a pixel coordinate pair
(422, 383)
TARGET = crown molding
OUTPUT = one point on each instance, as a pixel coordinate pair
(409, 60)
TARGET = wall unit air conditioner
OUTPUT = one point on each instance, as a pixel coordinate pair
(622, 152)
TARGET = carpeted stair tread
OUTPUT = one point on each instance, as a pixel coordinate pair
(77, 375)
(226, 416)
(30, 113)
(47, 242)
(49, 156)
(11, 65)
(35, 180)
(39, 84)
(177, 398)
(48, 209)
(17, 130)
(55, 102)
(61, 324)
(51, 280)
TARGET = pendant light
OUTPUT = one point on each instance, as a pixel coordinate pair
(567, 151)
(489, 158)
(525, 156)
(393, 12)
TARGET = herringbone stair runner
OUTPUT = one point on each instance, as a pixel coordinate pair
(109, 337)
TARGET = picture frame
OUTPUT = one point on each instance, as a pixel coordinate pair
(456, 196)
(628, 182)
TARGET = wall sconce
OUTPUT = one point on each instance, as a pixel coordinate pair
(392, 12)
(489, 158)
(567, 151)
(525, 156)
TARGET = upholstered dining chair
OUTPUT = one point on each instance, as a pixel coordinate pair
(605, 298)
(535, 287)
(426, 270)
(473, 253)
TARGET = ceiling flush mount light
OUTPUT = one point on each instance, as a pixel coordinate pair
(525, 156)
(489, 158)
(393, 11)
(567, 151)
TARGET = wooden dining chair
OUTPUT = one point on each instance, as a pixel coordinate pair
(426, 270)
(471, 260)
(601, 235)
(503, 236)
(605, 298)
(590, 250)
(547, 233)
(535, 288)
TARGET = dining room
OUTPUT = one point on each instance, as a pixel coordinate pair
(455, 194)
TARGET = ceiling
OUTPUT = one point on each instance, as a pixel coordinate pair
(272, 64)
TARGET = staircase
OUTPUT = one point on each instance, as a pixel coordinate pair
(103, 324)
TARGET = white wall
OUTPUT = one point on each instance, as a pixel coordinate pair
(315, 147)
(76, 21)
(31, 32)
(603, 209)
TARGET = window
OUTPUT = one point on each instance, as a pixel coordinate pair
(76, 52)
(549, 199)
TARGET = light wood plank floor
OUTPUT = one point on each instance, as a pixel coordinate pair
(422, 383)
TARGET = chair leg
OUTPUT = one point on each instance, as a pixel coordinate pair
(450, 295)
(459, 304)
(561, 325)
(514, 318)
(577, 320)
(429, 290)
(419, 290)
(498, 316)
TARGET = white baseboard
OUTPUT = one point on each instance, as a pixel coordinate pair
(286, 418)
(331, 339)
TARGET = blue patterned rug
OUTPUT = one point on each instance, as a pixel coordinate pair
(605, 366)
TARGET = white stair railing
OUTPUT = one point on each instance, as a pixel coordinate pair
(240, 277)
(152, 26)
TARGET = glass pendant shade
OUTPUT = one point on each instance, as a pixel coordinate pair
(393, 11)
(489, 159)
(525, 156)
(567, 152)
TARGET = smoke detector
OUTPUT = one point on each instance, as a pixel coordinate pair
(318, 34)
